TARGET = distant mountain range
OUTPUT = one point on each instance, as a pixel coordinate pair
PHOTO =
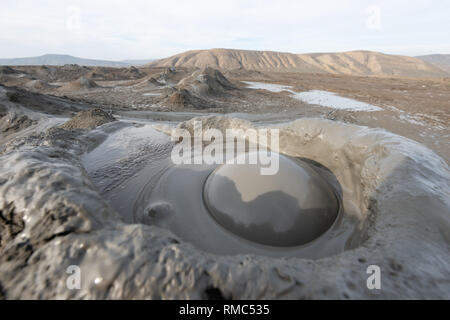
(60, 59)
(358, 63)
(440, 60)
(138, 62)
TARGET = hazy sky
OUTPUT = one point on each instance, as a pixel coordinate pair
(140, 29)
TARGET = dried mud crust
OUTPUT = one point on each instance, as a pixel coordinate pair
(89, 119)
(38, 102)
(12, 123)
(415, 108)
(403, 188)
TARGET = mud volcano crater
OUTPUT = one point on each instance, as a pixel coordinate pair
(232, 208)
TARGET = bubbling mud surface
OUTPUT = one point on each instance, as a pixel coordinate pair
(111, 202)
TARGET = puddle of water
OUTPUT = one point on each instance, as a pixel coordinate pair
(317, 97)
(272, 87)
(332, 100)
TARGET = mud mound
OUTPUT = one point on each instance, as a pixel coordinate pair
(95, 75)
(72, 68)
(39, 85)
(161, 77)
(181, 98)
(40, 102)
(68, 72)
(82, 83)
(184, 99)
(12, 80)
(12, 77)
(86, 83)
(45, 73)
(65, 73)
(115, 74)
(168, 76)
(12, 123)
(150, 82)
(88, 120)
(7, 70)
(73, 72)
(206, 82)
(198, 90)
(132, 73)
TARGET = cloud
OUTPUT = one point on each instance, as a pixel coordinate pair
(118, 29)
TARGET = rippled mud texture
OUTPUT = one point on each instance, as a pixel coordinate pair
(402, 192)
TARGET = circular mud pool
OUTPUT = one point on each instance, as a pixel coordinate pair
(293, 207)
(232, 209)
(223, 209)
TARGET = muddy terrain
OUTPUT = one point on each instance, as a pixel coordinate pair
(415, 108)
(86, 180)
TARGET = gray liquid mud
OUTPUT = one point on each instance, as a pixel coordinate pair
(123, 164)
(297, 212)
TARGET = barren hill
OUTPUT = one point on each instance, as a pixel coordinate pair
(440, 60)
(59, 60)
(228, 59)
(362, 63)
